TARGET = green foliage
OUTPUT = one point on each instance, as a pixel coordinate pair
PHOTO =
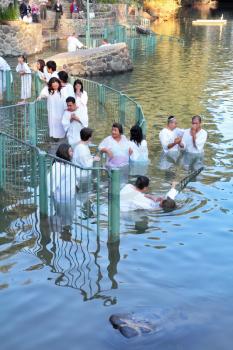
(9, 13)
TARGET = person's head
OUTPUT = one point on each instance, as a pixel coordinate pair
(51, 66)
(40, 65)
(196, 122)
(104, 41)
(171, 122)
(63, 76)
(22, 59)
(136, 134)
(86, 134)
(64, 151)
(142, 183)
(54, 84)
(78, 86)
(168, 204)
(117, 130)
(71, 104)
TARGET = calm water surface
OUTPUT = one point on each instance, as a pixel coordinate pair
(58, 289)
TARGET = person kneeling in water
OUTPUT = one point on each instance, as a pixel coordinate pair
(133, 197)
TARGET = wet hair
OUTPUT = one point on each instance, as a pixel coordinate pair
(142, 182)
(196, 117)
(70, 99)
(168, 204)
(42, 65)
(119, 127)
(51, 81)
(85, 134)
(63, 76)
(63, 151)
(78, 81)
(170, 119)
(51, 65)
(23, 57)
(136, 134)
(105, 40)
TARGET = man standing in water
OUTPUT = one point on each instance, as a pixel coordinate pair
(194, 139)
(170, 137)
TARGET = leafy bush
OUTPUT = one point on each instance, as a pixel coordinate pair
(9, 13)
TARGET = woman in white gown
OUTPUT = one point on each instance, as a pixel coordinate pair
(26, 78)
(62, 181)
(55, 107)
(116, 147)
(139, 157)
(81, 97)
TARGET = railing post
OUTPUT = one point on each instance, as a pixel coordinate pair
(43, 187)
(2, 162)
(38, 84)
(122, 109)
(114, 207)
(8, 76)
(32, 123)
(101, 94)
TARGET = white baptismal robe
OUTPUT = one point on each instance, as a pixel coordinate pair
(140, 152)
(4, 66)
(187, 140)
(73, 44)
(62, 182)
(26, 80)
(132, 199)
(67, 91)
(167, 136)
(83, 158)
(73, 128)
(55, 107)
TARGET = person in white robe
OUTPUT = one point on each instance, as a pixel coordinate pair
(50, 70)
(25, 76)
(138, 145)
(194, 139)
(82, 155)
(116, 147)
(67, 89)
(170, 137)
(134, 197)
(73, 120)
(62, 182)
(4, 67)
(81, 96)
(73, 43)
(55, 107)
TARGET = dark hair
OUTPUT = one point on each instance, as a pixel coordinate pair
(119, 127)
(196, 117)
(63, 76)
(63, 151)
(70, 99)
(51, 65)
(51, 81)
(78, 81)
(170, 119)
(168, 204)
(23, 57)
(85, 134)
(142, 182)
(136, 134)
(42, 65)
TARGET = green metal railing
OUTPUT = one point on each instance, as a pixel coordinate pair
(30, 177)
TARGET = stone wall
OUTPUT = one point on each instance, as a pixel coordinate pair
(18, 38)
(108, 59)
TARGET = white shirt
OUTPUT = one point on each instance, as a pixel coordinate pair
(82, 156)
(73, 44)
(4, 66)
(67, 91)
(119, 149)
(187, 141)
(132, 199)
(48, 75)
(167, 136)
(140, 152)
(73, 128)
(62, 181)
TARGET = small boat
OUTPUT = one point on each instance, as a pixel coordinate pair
(143, 30)
(210, 22)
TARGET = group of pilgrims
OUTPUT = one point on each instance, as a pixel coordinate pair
(68, 118)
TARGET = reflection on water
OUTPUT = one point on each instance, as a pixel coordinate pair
(180, 260)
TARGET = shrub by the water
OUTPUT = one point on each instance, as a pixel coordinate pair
(9, 13)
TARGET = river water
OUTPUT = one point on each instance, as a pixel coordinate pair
(58, 289)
